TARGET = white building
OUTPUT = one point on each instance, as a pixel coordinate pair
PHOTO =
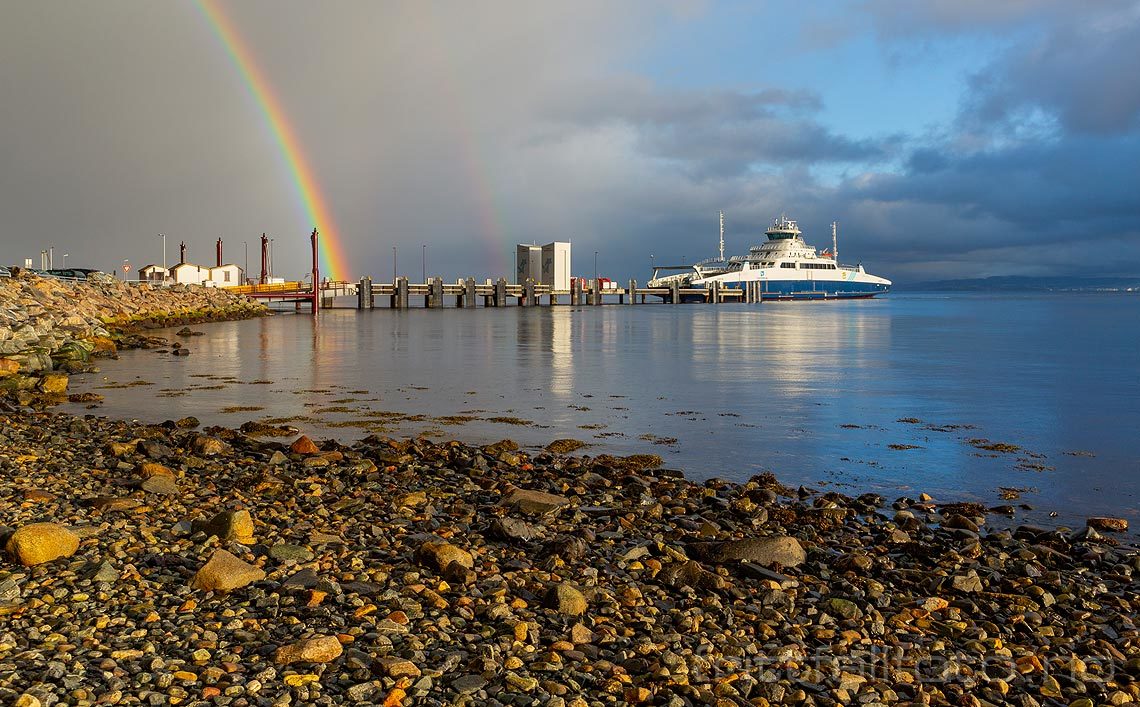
(528, 263)
(189, 274)
(556, 266)
(153, 273)
(228, 275)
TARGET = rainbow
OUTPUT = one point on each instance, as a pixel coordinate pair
(333, 261)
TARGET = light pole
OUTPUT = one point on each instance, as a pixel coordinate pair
(423, 264)
(595, 268)
(164, 270)
(652, 265)
(65, 260)
(51, 257)
(394, 275)
(270, 257)
(245, 270)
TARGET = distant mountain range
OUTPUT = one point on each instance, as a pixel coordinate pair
(1019, 283)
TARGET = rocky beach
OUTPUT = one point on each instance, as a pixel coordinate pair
(168, 563)
(162, 564)
(50, 327)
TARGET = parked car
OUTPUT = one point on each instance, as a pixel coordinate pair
(73, 273)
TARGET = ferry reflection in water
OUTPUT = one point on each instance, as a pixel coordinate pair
(812, 391)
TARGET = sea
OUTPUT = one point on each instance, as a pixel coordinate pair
(1023, 400)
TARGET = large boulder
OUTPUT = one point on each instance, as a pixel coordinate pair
(37, 543)
(534, 502)
(779, 550)
(53, 384)
(439, 556)
(566, 599)
(229, 525)
(224, 572)
(319, 649)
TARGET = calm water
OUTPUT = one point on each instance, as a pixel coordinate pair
(815, 392)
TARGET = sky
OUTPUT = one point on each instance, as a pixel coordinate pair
(949, 138)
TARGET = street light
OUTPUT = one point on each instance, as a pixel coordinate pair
(423, 264)
(595, 268)
(65, 260)
(394, 275)
(245, 270)
(270, 257)
(164, 271)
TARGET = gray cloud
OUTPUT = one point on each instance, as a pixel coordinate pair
(468, 129)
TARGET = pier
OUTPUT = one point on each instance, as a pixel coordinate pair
(469, 293)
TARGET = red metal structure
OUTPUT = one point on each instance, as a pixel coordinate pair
(219, 263)
(297, 292)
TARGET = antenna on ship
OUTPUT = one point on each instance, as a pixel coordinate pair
(722, 236)
(834, 242)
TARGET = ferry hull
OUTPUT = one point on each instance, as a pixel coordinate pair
(815, 289)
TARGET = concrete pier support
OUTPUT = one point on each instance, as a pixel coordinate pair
(501, 292)
(435, 293)
(400, 298)
(527, 298)
(674, 292)
(632, 299)
(576, 293)
(364, 293)
(469, 293)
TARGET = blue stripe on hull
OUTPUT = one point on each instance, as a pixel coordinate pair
(816, 289)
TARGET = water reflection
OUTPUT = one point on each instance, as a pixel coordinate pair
(813, 391)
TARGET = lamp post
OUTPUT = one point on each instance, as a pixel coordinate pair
(165, 272)
(595, 268)
(394, 275)
(423, 264)
(270, 257)
(51, 257)
(65, 260)
(245, 270)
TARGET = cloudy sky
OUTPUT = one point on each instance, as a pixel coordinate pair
(950, 138)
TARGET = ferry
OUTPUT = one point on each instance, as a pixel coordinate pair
(787, 268)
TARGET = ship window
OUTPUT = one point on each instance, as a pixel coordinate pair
(787, 265)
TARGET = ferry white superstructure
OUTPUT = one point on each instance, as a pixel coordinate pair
(788, 268)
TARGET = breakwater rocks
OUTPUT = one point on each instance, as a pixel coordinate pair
(161, 564)
(48, 324)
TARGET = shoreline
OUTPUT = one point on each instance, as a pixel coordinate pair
(410, 572)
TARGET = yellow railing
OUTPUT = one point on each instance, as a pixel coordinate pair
(270, 289)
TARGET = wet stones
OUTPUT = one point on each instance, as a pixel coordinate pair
(53, 384)
(783, 551)
(439, 556)
(1112, 525)
(319, 649)
(534, 502)
(36, 543)
(224, 573)
(304, 446)
(207, 446)
(514, 529)
(229, 525)
(566, 599)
